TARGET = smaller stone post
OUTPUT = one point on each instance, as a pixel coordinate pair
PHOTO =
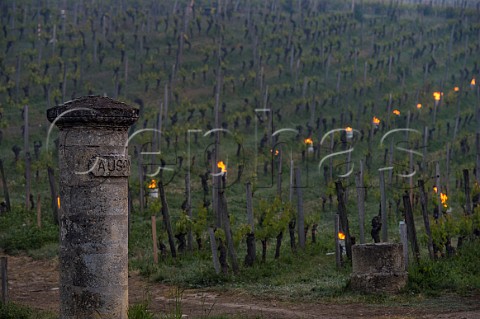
(378, 268)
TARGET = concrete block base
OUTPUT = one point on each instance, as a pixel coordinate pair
(379, 282)
(378, 268)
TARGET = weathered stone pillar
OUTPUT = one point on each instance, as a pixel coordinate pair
(94, 169)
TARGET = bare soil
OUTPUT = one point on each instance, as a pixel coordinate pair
(34, 283)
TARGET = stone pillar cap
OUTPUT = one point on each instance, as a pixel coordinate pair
(93, 111)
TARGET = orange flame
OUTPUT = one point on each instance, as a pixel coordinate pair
(376, 120)
(153, 184)
(472, 83)
(396, 112)
(456, 89)
(341, 236)
(349, 132)
(437, 96)
(222, 166)
(58, 202)
(443, 199)
(308, 141)
(276, 152)
(419, 106)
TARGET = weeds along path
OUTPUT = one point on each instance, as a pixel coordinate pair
(34, 283)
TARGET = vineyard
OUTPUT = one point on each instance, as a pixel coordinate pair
(269, 133)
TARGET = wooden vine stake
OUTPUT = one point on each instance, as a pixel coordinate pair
(338, 256)
(437, 184)
(166, 215)
(447, 177)
(5, 187)
(291, 185)
(361, 206)
(251, 251)
(54, 194)
(411, 232)
(189, 209)
(154, 239)
(466, 184)
(342, 211)
(426, 220)
(390, 162)
(213, 246)
(3, 269)
(291, 224)
(300, 214)
(39, 211)
(425, 142)
(223, 211)
(279, 174)
(279, 195)
(140, 177)
(27, 158)
(216, 180)
(478, 169)
(410, 179)
(383, 207)
(404, 241)
(28, 161)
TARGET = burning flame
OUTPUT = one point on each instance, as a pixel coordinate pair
(276, 152)
(376, 120)
(472, 83)
(443, 199)
(153, 184)
(419, 106)
(437, 96)
(308, 141)
(58, 202)
(456, 89)
(341, 236)
(222, 166)
(349, 132)
(396, 112)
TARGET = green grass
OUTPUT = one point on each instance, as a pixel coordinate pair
(312, 276)
(300, 276)
(15, 311)
(19, 232)
(47, 251)
(459, 274)
(139, 311)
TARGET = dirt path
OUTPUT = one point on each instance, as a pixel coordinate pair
(35, 283)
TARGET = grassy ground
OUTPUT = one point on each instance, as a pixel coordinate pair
(14, 311)
(308, 276)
